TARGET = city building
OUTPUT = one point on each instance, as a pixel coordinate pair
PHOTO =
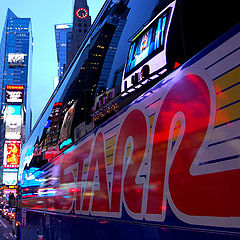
(81, 24)
(15, 81)
(63, 33)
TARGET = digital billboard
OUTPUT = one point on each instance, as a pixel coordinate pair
(67, 123)
(147, 43)
(9, 177)
(14, 94)
(16, 59)
(13, 120)
(11, 154)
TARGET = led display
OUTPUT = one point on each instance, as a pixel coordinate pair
(31, 177)
(14, 94)
(16, 59)
(9, 178)
(11, 154)
(147, 43)
(13, 121)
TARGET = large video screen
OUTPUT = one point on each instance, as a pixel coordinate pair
(10, 177)
(13, 120)
(11, 154)
(16, 59)
(147, 43)
(14, 94)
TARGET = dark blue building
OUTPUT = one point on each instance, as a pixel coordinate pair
(15, 77)
(63, 33)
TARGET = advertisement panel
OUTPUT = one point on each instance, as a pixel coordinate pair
(11, 154)
(14, 94)
(10, 177)
(13, 121)
(7, 192)
(16, 59)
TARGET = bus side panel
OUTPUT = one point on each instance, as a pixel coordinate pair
(165, 167)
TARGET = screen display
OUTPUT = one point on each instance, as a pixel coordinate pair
(11, 154)
(9, 178)
(146, 44)
(14, 94)
(16, 59)
(13, 121)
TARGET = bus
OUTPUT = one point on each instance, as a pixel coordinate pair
(140, 139)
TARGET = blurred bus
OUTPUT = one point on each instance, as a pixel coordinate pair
(140, 140)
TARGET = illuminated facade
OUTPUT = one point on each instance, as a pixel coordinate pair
(63, 34)
(15, 81)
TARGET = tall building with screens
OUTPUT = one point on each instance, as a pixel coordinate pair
(15, 80)
(63, 34)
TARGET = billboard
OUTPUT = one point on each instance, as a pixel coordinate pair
(13, 120)
(6, 192)
(14, 94)
(147, 43)
(10, 177)
(16, 59)
(11, 154)
(148, 50)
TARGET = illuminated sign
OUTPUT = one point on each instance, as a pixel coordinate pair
(146, 43)
(13, 121)
(66, 143)
(16, 59)
(11, 154)
(14, 94)
(63, 26)
(103, 98)
(10, 178)
(6, 192)
(110, 108)
(15, 87)
(13, 110)
(47, 125)
(148, 49)
(57, 104)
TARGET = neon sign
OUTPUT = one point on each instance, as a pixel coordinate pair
(11, 154)
(14, 94)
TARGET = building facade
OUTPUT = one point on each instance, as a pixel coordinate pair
(63, 33)
(15, 81)
(81, 24)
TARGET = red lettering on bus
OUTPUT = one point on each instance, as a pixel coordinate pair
(100, 199)
(211, 194)
(64, 200)
(190, 96)
(71, 176)
(134, 126)
(83, 152)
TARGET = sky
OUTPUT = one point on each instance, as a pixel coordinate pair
(44, 15)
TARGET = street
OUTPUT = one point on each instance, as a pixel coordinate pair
(5, 230)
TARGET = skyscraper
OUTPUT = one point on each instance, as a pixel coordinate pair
(15, 81)
(81, 24)
(63, 33)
